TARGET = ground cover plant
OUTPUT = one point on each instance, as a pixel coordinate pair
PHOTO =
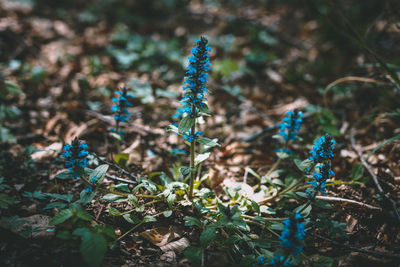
(199, 133)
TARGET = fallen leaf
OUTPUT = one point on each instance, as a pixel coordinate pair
(160, 236)
(177, 246)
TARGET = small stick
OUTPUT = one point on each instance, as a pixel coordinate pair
(115, 166)
(339, 199)
(367, 251)
(115, 178)
(373, 175)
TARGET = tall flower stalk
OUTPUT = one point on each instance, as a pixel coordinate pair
(75, 157)
(120, 106)
(194, 106)
(321, 154)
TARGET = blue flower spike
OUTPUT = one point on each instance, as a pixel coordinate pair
(121, 104)
(290, 127)
(195, 84)
(75, 156)
(323, 173)
(323, 149)
(293, 234)
(189, 137)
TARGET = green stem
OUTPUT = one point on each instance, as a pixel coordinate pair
(192, 156)
(130, 230)
(118, 143)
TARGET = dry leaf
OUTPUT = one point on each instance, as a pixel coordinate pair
(49, 152)
(160, 236)
(169, 257)
(177, 246)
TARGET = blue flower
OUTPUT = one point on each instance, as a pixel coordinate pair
(323, 149)
(92, 184)
(178, 151)
(324, 173)
(189, 137)
(75, 156)
(289, 128)
(293, 234)
(121, 105)
(261, 260)
(278, 261)
(196, 80)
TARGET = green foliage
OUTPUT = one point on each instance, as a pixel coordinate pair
(5, 199)
(74, 223)
(326, 119)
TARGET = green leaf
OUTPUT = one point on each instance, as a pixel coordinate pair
(64, 175)
(357, 172)
(255, 206)
(306, 211)
(100, 173)
(201, 157)
(57, 204)
(122, 187)
(282, 155)
(86, 197)
(332, 130)
(190, 221)
(121, 159)
(113, 198)
(12, 88)
(62, 216)
(304, 165)
(149, 218)
(204, 108)
(267, 210)
(184, 170)
(131, 218)
(172, 128)
(207, 142)
(114, 212)
(133, 200)
(185, 124)
(194, 255)
(167, 213)
(322, 204)
(93, 249)
(207, 237)
(171, 199)
(83, 215)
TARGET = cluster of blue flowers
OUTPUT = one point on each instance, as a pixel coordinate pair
(75, 155)
(323, 149)
(320, 177)
(293, 234)
(290, 127)
(195, 84)
(121, 105)
(92, 184)
(322, 153)
(190, 137)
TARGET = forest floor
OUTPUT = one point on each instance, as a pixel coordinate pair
(69, 58)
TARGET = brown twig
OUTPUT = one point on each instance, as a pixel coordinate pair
(373, 175)
(122, 170)
(367, 251)
(339, 199)
(115, 178)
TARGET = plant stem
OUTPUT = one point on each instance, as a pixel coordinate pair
(192, 155)
(117, 140)
(130, 230)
